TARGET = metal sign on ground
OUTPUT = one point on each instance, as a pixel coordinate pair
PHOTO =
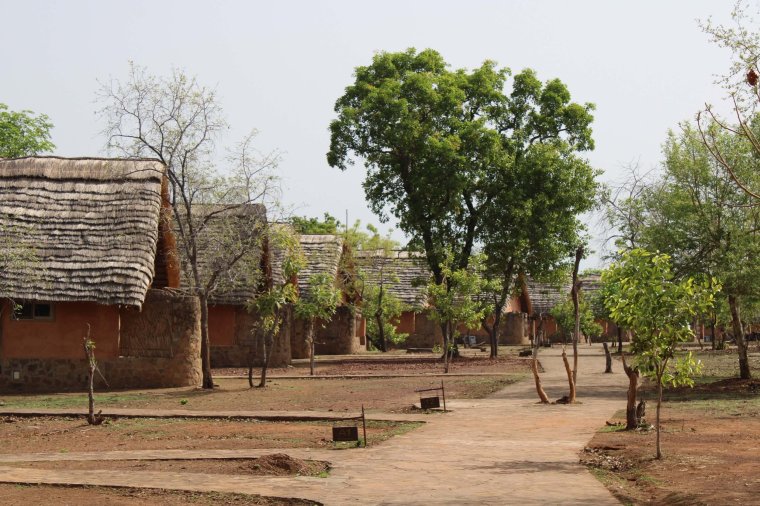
(432, 402)
(348, 433)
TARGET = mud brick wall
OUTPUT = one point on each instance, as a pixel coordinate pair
(178, 366)
(249, 344)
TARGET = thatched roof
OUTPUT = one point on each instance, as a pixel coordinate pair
(229, 242)
(91, 225)
(277, 251)
(590, 284)
(406, 274)
(322, 254)
(544, 296)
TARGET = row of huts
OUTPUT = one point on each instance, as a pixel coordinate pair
(107, 265)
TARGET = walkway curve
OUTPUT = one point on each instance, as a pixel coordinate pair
(506, 449)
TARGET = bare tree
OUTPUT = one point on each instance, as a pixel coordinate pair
(179, 121)
(92, 366)
(742, 85)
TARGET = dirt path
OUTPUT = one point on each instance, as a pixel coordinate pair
(502, 450)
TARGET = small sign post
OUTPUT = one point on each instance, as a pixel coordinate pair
(347, 433)
(435, 401)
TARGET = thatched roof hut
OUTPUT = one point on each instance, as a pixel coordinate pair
(323, 256)
(542, 297)
(230, 240)
(406, 274)
(91, 224)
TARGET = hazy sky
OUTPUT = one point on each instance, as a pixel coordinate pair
(279, 66)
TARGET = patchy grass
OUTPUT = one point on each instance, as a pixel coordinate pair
(324, 394)
(69, 400)
(56, 434)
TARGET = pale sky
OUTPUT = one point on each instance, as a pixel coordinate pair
(279, 66)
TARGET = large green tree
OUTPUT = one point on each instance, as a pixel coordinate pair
(428, 140)
(695, 214)
(22, 133)
(533, 226)
(447, 151)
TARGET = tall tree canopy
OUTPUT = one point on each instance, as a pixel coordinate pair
(22, 133)
(449, 151)
(695, 214)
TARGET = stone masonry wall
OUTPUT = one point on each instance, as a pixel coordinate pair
(247, 342)
(180, 367)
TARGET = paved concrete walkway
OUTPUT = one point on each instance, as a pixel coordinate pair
(506, 449)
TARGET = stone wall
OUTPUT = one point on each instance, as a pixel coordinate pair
(514, 329)
(337, 337)
(427, 333)
(178, 366)
(248, 345)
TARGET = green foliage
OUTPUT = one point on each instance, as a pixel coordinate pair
(321, 301)
(23, 134)
(459, 160)
(454, 300)
(658, 309)
(564, 314)
(270, 304)
(696, 215)
(304, 225)
(383, 303)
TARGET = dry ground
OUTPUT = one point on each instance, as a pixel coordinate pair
(385, 394)
(22, 495)
(275, 464)
(710, 440)
(346, 395)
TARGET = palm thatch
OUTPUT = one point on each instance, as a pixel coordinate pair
(277, 252)
(229, 240)
(544, 296)
(323, 256)
(405, 274)
(91, 224)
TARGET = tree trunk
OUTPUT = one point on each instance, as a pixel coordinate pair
(534, 368)
(633, 382)
(712, 329)
(607, 358)
(249, 359)
(310, 342)
(89, 352)
(576, 312)
(380, 331)
(379, 320)
(570, 378)
(506, 286)
(620, 339)
(446, 329)
(208, 381)
(269, 346)
(657, 418)
(741, 345)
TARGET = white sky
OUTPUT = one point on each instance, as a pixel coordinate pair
(279, 66)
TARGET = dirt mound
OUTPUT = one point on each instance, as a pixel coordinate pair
(281, 464)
